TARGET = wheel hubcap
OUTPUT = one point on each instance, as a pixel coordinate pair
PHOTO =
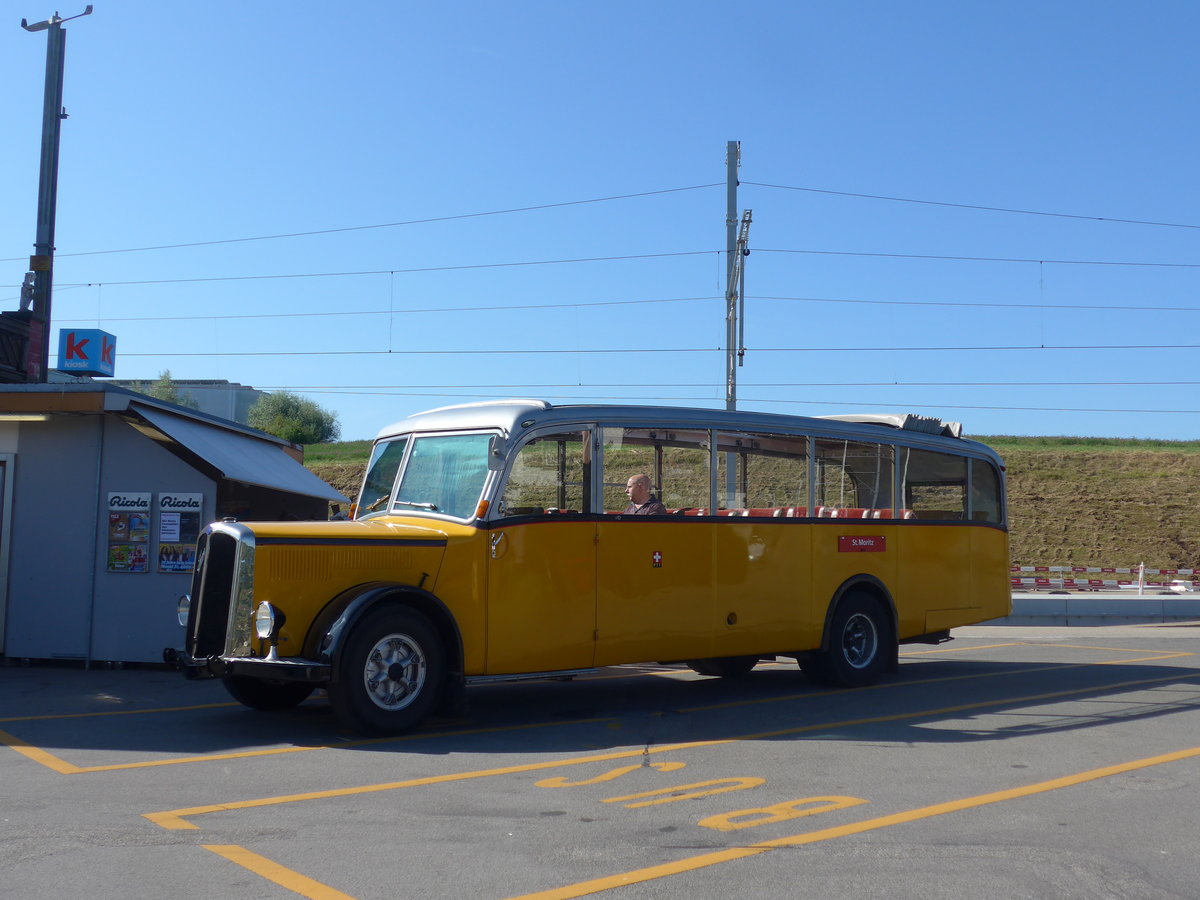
(860, 641)
(395, 672)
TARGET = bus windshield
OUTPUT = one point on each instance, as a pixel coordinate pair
(445, 474)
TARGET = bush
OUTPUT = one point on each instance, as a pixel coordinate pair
(293, 418)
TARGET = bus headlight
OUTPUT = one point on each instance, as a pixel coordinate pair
(182, 607)
(267, 621)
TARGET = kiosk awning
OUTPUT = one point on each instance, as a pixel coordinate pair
(239, 457)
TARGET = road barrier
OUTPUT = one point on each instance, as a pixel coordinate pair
(1065, 578)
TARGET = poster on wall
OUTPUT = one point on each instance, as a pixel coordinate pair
(128, 531)
(179, 519)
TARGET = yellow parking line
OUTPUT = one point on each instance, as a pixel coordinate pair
(583, 888)
(272, 871)
(963, 648)
(176, 819)
(116, 712)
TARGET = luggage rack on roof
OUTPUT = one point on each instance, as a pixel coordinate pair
(905, 422)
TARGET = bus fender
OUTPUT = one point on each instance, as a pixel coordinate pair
(333, 624)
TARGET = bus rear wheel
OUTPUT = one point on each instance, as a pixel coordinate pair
(391, 672)
(860, 640)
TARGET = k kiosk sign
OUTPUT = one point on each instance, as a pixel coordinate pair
(86, 352)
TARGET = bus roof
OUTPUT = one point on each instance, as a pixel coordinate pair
(515, 416)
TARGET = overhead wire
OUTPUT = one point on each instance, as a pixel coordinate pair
(982, 208)
(425, 221)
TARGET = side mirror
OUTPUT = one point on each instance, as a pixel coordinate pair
(496, 450)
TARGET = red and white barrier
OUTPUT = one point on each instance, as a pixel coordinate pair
(1064, 578)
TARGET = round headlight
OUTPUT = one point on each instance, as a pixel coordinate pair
(182, 607)
(264, 621)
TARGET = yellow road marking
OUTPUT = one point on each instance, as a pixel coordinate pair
(272, 871)
(683, 792)
(49, 760)
(964, 648)
(175, 819)
(583, 888)
(117, 712)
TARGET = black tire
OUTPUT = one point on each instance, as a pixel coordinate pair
(724, 666)
(860, 644)
(259, 693)
(391, 673)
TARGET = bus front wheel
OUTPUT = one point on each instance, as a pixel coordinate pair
(860, 639)
(391, 672)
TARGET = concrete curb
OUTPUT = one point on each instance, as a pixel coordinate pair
(1099, 608)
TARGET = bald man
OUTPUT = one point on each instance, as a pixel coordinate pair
(641, 501)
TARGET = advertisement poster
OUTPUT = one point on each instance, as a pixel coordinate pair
(179, 521)
(128, 531)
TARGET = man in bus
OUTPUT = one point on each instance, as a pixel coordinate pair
(642, 501)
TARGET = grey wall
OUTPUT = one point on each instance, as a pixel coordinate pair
(60, 540)
(135, 612)
(52, 532)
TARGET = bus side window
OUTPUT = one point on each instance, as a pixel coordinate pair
(853, 475)
(548, 476)
(675, 460)
(985, 493)
(935, 484)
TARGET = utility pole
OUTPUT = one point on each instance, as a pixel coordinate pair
(736, 251)
(41, 264)
(733, 158)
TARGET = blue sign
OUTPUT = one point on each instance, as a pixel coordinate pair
(86, 351)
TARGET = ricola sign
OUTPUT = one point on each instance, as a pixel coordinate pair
(86, 352)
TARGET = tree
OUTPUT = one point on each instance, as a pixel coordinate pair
(164, 389)
(293, 418)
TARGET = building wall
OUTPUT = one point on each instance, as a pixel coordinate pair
(52, 538)
(62, 601)
(134, 616)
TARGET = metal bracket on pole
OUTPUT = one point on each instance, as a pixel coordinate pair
(55, 19)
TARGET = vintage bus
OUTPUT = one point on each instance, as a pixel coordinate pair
(497, 540)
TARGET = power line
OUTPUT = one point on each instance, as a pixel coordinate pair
(538, 262)
(661, 350)
(1004, 209)
(389, 312)
(1068, 306)
(715, 385)
(996, 259)
(495, 212)
(824, 403)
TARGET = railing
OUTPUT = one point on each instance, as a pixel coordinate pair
(1064, 578)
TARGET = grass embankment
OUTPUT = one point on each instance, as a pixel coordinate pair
(1072, 501)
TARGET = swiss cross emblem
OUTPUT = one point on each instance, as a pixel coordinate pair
(656, 559)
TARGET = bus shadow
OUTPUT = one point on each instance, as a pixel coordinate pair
(628, 707)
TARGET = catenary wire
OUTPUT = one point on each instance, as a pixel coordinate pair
(1003, 209)
(426, 221)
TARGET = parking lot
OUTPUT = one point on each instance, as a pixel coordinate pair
(1013, 761)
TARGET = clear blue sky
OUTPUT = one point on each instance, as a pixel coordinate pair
(205, 123)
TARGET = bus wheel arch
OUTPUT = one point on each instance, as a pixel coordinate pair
(859, 640)
(415, 621)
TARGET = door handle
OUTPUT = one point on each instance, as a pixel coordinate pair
(496, 539)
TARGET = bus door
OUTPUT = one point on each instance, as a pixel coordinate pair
(542, 559)
(655, 572)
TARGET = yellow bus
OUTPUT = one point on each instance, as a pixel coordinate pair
(523, 539)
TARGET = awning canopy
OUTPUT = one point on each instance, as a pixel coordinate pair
(237, 456)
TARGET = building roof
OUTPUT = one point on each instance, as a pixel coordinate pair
(222, 447)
